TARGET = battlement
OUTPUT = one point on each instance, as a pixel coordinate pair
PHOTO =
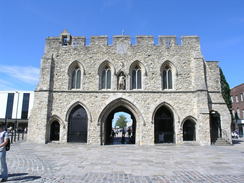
(67, 40)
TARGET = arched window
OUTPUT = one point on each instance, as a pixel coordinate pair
(76, 77)
(106, 78)
(136, 78)
(167, 80)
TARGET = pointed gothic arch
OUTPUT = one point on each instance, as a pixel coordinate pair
(115, 106)
(77, 118)
(164, 119)
(189, 128)
(137, 73)
(54, 127)
(75, 73)
(168, 75)
(106, 73)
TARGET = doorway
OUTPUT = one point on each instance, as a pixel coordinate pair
(77, 125)
(54, 131)
(215, 126)
(189, 132)
(163, 126)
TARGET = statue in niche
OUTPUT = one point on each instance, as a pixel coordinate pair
(121, 81)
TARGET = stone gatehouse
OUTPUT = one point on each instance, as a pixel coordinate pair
(172, 94)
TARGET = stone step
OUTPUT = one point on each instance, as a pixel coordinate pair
(221, 142)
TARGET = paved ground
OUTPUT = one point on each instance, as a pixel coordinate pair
(76, 163)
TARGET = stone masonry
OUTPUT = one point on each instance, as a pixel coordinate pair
(196, 90)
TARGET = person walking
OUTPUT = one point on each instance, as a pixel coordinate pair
(3, 142)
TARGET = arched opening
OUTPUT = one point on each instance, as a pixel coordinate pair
(137, 72)
(106, 78)
(163, 126)
(106, 73)
(114, 133)
(54, 131)
(168, 75)
(77, 125)
(215, 126)
(189, 132)
(76, 78)
(75, 74)
(136, 77)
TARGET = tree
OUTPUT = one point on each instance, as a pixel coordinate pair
(225, 90)
(121, 121)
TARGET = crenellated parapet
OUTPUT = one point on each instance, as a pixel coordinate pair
(67, 40)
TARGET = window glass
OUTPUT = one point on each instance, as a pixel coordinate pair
(10, 103)
(138, 79)
(78, 75)
(103, 79)
(73, 79)
(25, 106)
(164, 80)
(169, 79)
(237, 100)
(108, 79)
(134, 79)
(238, 113)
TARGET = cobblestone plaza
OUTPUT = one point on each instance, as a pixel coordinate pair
(78, 163)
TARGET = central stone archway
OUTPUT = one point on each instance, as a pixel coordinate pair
(106, 116)
(113, 135)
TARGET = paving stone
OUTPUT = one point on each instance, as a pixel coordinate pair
(75, 163)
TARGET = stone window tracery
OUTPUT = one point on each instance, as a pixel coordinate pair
(76, 78)
(106, 78)
(136, 78)
(167, 80)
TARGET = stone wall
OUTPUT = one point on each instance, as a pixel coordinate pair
(196, 86)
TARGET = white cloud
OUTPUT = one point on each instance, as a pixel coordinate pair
(26, 74)
(5, 85)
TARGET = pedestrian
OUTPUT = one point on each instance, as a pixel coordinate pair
(123, 132)
(3, 142)
(129, 132)
(113, 133)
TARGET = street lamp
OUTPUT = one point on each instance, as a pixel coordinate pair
(16, 121)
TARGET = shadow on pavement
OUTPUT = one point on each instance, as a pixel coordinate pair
(16, 174)
(22, 176)
(237, 141)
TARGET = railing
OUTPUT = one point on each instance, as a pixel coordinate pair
(15, 136)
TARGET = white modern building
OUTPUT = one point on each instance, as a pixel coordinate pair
(15, 107)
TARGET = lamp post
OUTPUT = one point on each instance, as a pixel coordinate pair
(16, 120)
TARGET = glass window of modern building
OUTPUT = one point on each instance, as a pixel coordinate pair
(10, 103)
(25, 106)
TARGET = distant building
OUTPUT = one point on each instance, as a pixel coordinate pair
(15, 107)
(237, 98)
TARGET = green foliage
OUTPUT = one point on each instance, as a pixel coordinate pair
(225, 89)
(121, 121)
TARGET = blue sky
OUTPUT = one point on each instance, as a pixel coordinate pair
(25, 24)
